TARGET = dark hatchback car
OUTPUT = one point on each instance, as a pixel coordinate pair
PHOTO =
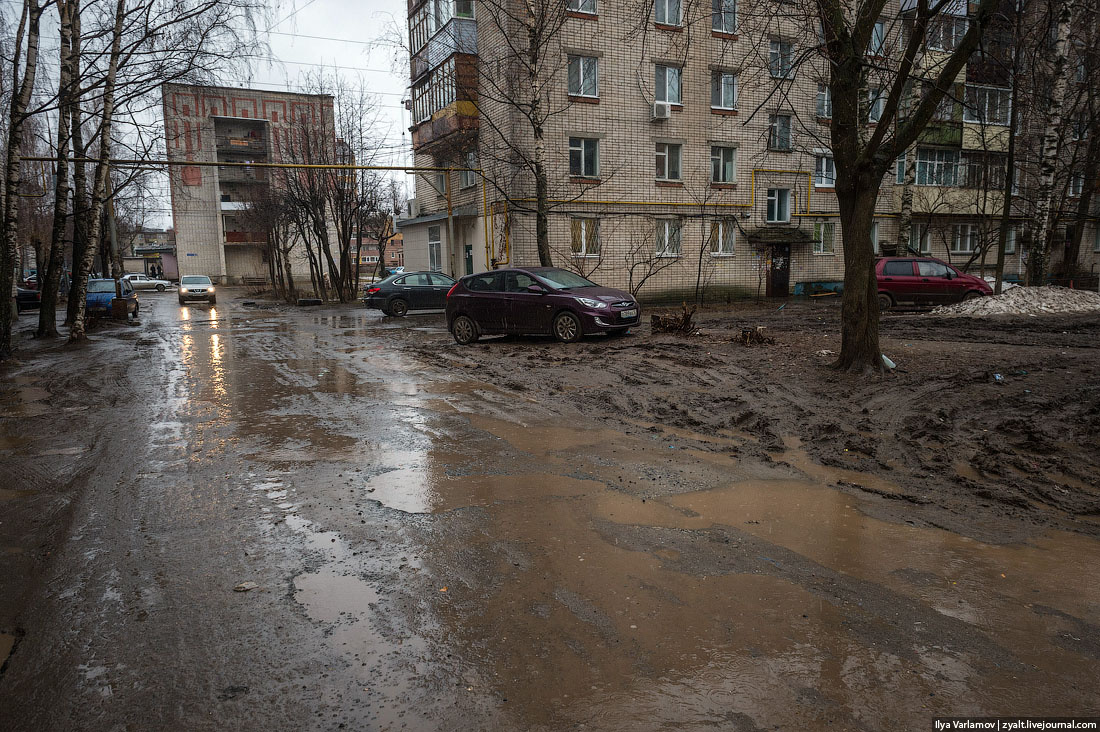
(400, 293)
(26, 299)
(537, 301)
(924, 281)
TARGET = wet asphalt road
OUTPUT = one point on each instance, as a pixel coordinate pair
(430, 551)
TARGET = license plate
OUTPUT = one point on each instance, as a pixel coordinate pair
(628, 313)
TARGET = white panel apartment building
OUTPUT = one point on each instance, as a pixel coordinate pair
(226, 124)
(687, 149)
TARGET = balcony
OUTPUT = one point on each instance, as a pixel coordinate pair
(458, 35)
(256, 146)
(249, 238)
(239, 174)
(459, 117)
(942, 133)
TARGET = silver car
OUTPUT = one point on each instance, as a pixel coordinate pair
(145, 282)
(196, 287)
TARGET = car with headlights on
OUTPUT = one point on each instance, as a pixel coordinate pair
(537, 301)
(196, 287)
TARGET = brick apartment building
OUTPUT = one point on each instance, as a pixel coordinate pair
(689, 150)
(226, 124)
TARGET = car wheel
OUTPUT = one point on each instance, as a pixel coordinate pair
(972, 295)
(160, 288)
(567, 327)
(399, 307)
(464, 330)
(885, 302)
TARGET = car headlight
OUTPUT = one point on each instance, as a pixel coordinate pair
(211, 289)
(590, 303)
(183, 289)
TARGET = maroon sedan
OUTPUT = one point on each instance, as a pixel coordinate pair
(537, 301)
(924, 281)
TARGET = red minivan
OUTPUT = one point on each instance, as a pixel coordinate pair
(924, 281)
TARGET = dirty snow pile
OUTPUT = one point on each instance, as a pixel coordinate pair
(1026, 301)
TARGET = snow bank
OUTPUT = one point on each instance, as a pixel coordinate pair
(1026, 301)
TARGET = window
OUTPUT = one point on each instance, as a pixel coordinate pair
(464, 8)
(901, 170)
(583, 76)
(518, 282)
(874, 237)
(723, 90)
(779, 132)
(988, 105)
(945, 33)
(723, 164)
(779, 205)
(898, 268)
(435, 249)
(984, 170)
(723, 16)
(441, 183)
(824, 238)
(723, 234)
(668, 161)
(1076, 185)
(488, 282)
(875, 103)
(781, 59)
(437, 92)
(824, 108)
(1079, 128)
(667, 12)
(1010, 240)
(667, 84)
(585, 237)
(877, 45)
(468, 178)
(824, 172)
(668, 237)
(920, 238)
(937, 166)
(582, 6)
(945, 110)
(931, 269)
(584, 157)
(966, 239)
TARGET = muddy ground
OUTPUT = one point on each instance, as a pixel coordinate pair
(653, 532)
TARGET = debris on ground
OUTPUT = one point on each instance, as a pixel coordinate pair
(887, 362)
(245, 587)
(1026, 301)
(681, 323)
(755, 336)
(824, 352)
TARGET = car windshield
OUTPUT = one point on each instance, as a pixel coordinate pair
(101, 286)
(195, 280)
(561, 279)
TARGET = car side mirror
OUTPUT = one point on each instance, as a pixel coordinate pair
(950, 275)
(537, 289)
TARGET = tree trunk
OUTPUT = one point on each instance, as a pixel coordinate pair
(102, 171)
(47, 313)
(1010, 171)
(859, 351)
(1044, 218)
(21, 90)
(80, 176)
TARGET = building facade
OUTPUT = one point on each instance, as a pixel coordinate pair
(229, 125)
(688, 151)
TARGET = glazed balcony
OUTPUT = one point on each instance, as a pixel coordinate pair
(458, 35)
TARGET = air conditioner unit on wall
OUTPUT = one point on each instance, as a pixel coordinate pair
(413, 208)
(661, 110)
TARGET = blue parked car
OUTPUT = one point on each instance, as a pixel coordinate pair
(100, 294)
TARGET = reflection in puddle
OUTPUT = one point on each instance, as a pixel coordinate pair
(330, 596)
(417, 490)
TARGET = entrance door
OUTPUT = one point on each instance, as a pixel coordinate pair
(469, 259)
(779, 271)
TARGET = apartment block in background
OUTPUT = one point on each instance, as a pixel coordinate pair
(224, 124)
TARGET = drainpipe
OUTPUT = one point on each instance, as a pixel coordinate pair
(450, 225)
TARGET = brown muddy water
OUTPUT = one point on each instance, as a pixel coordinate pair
(434, 550)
